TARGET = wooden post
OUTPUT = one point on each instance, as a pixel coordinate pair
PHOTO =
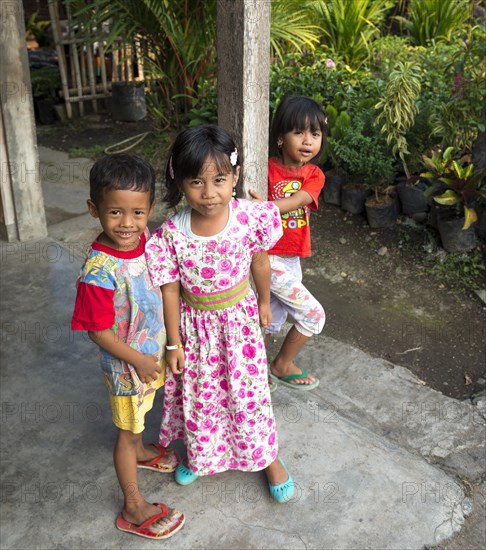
(243, 52)
(8, 223)
(56, 31)
(20, 169)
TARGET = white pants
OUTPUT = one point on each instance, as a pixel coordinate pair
(290, 297)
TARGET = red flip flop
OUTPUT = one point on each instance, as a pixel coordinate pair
(149, 528)
(157, 465)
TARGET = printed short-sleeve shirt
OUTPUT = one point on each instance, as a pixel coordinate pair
(284, 182)
(115, 291)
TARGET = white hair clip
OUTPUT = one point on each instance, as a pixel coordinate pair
(234, 157)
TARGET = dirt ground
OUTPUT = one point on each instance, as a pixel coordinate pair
(376, 286)
(380, 296)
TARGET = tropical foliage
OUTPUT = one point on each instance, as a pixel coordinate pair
(458, 88)
(427, 78)
(432, 21)
(349, 26)
(178, 49)
(292, 27)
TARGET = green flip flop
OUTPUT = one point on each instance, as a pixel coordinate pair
(286, 381)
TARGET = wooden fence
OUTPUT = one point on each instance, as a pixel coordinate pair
(87, 71)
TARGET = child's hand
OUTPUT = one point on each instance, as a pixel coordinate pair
(255, 196)
(265, 313)
(148, 368)
(175, 359)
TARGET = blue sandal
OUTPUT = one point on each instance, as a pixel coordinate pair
(284, 491)
(184, 476)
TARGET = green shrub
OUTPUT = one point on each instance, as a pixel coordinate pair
(204, 109)
(46, 82)
(365, 155)
(387, 50)
(326, 79)
(453, 85)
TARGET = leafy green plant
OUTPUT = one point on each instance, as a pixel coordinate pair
(338, 124)
(460, 183)
(204, 109)
(454, 82)
(46, 82)
(325, 78)
(365, 157)
(461, 272)
(292, 28)
(349, 26)
(37, 29)
(386, 50)
(305, 74)
(431, 21)
(398, 108)
(419, 137)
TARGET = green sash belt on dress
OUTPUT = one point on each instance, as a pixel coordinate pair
(217, 300)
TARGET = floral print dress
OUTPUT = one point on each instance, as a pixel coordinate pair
(220, 405)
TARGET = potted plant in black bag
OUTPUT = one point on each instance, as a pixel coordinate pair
(460, 188)
(46, 83)
(338, 124)
(371, 167)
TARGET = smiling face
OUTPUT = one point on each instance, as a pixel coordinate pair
(124, 215)
(209, 193)
(300, 146)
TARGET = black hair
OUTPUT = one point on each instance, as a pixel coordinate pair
(121, 171)
(297, 112)
(191, 149)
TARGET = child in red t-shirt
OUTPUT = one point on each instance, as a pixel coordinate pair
(297, 137)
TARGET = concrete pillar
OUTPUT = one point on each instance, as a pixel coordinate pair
(243, 56)
(19, 168)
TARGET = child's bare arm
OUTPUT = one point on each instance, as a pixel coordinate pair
(260, 270)
(288, 204)
(170, 297)
(147, 366)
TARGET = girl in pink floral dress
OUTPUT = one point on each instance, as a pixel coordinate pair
(216, 393)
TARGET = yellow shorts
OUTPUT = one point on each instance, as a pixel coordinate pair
(128, 411)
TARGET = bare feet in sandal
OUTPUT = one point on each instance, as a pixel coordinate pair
(162, 524)
(158, 458)
(293, 377)
(272, 385)
(284, 371)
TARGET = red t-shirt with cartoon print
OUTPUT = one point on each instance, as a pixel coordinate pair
(283, 182)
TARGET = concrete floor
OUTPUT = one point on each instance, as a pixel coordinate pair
(378, 457)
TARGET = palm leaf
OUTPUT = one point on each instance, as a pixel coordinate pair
(292, 27)
(348, 26)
